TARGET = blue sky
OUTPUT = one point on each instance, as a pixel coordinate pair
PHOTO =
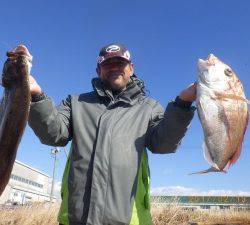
(165, 39)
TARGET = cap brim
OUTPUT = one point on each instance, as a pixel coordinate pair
(114, 56)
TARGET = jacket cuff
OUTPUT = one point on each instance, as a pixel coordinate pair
(181, 103)
(38, 97)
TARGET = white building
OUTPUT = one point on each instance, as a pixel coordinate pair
(205, 202)
(26, 184)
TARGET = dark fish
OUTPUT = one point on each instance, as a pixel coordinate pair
(14, 108)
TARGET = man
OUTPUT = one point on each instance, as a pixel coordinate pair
(106, 179)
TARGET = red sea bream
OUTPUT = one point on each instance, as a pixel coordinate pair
(223, 112)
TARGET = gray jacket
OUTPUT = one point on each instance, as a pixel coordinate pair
(109, 135)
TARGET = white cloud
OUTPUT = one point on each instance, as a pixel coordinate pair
(179, 190)
(167, 172)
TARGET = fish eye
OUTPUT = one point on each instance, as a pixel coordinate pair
(228, 72)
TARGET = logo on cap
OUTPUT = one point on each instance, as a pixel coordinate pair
(127, 55)
(113, 48)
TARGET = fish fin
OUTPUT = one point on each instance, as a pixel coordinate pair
(211, 169)
(246, 100)
(208, 157)
(236, 155)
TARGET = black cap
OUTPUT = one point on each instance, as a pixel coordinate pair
(113, 50)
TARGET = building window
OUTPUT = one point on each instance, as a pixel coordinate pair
(27, 181)
(224, 207)
(205, 206)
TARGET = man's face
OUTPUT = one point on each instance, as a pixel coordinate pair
(115, 72)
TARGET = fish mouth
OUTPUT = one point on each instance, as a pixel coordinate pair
(20, 50)
(202, 65)
(203, 68)
(209, 61)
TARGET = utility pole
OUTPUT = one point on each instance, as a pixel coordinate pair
(54, 153)
(66, 154)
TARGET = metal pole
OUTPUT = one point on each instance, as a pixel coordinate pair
(66, 154)
(53, 153)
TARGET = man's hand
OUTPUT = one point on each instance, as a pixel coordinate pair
(189, 94)
(34, 86)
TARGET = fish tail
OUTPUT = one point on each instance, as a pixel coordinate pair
(211, 169)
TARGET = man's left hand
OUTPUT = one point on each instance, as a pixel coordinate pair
(189, 94)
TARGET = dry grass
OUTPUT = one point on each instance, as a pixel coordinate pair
(35, 214)
(173, 214)
(40, 214)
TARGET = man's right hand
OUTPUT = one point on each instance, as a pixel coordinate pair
(34, 86)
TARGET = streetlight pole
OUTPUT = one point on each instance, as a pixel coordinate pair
(53, 153)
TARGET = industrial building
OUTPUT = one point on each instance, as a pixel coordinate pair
(26, 185)
(205, 202)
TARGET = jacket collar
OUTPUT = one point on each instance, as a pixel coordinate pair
(133, 90)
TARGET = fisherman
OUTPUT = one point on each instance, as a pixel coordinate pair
(106, 178)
